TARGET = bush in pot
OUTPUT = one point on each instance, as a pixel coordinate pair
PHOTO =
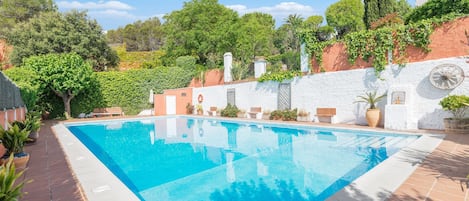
(230, 111)
(372, 113)
(13, 139)
(458, 105)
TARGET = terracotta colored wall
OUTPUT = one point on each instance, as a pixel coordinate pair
(159, 104)
(183, 96)
(20, 116)
(2, 119)
(212, 78)
(448, 40)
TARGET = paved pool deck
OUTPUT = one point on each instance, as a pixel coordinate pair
(441, 176)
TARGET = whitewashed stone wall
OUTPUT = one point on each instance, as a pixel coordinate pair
(339, 90)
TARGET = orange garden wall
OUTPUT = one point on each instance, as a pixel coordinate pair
(212, 78)
(183, 97)
(10, 115)
(447, 40)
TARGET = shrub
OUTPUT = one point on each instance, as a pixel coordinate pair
(285, 115)
(230, 111)
(458, 105)
(290, 115)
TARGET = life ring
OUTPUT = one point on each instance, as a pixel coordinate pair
(200, 98)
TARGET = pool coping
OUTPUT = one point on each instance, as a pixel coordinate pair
(99, 183)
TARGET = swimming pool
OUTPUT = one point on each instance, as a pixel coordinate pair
(181, 158)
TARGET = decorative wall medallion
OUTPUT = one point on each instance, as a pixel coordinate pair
(446, 76)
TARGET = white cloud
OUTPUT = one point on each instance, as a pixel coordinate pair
(279, 11)
(112, 5)
(109, 13)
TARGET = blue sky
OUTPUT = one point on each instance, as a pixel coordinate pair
(114, 14)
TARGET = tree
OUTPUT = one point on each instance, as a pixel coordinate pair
(65, 74)
(13, 12)
(377, 9)
(202, 28)
(55, 32)
(255, 34)
(438, 8)
(346, 16)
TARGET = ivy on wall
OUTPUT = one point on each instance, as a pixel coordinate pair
(376, 44)
(279, 76)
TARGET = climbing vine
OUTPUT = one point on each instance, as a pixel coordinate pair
(377, 44)
(279, 76)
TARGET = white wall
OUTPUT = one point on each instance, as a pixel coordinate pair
(339, 90)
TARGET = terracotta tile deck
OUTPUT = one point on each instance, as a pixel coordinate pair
(442, 175)
(52, 178)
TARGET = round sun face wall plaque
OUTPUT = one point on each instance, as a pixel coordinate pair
(446, 76)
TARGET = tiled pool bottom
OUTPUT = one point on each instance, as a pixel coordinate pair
(99, 189)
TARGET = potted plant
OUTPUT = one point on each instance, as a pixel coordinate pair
(11, 189)
(276, 115)
(33, 124)
(458, 105)
(189, 109)
(200, 109)
(372, 113)
(230, 111)
(13, 139)
(303, 115)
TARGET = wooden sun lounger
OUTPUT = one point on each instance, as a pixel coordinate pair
(108, 111)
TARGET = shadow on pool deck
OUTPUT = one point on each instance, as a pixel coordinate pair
(441, 176)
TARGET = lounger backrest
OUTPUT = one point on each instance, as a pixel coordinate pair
(115, 110)
(256, 109)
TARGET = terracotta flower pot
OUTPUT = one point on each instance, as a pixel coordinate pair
(372, 117)
(3, 150)
(20, 160)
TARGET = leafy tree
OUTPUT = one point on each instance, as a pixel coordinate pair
(313, 22)
(438, 8)
(346, 16)
(13, 12)
(202, 28)
(55, 32)
(139, 36)
(65, 74)
(294, 23)
(377, 9)
(255, 34)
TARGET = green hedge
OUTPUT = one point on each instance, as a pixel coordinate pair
(129, 89)
(25, 80)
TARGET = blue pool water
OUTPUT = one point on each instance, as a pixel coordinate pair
(182, 158)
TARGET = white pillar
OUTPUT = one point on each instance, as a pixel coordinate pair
(304, 59)
(227, 64)
(260, 67)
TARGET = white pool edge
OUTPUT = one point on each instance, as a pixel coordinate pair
(99, 183)
(96, 180)
(383, 180)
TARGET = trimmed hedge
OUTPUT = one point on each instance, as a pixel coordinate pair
(129, 89)
(25, 80)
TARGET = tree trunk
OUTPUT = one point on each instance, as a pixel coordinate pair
(66, 99)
